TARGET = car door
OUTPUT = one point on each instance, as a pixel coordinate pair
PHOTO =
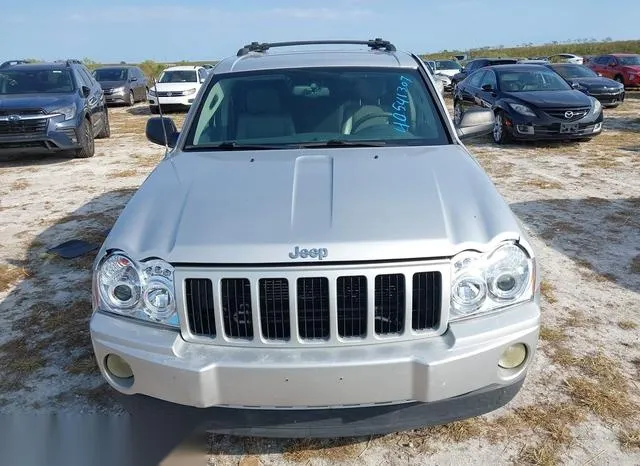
(486, 93)
(469, 89)
(95, 100)
(139, 84)
(605, 66)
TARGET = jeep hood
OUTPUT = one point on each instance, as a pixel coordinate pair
(358, 203)
(35, 101)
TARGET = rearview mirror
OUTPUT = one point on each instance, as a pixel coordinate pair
(475, 122)
(156, 129)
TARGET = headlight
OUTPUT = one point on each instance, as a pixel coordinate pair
(69, 111)
(522, 109)
(596, 106)
(143, 290)
(118, 90)
(151, 92)
(189, 92)
(487, 282)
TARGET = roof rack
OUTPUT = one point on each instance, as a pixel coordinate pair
(69, 61)
(13, 62)
(375, 44)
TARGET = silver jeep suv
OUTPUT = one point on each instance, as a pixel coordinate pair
(317, 254)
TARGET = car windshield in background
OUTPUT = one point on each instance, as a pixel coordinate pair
(630, 61)
(316, 107)
(502, 62)
(447, 65)
(575, 71)
(178, 77)
(527, 81)
(35, 82)
(111, 74)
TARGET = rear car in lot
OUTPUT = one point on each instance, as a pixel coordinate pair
(176, 87)
(476, 64)
(622, 67)
(530, 102)
(51, 107)
(609, 92)
(317, 255)
(122, 84)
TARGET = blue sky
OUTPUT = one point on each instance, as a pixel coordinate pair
(162, 30)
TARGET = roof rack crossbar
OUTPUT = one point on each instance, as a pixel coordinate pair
(375, 44)
(13, 62)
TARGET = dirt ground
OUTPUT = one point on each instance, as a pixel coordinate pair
(580, 203)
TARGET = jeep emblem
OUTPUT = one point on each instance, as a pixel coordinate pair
(319, 254)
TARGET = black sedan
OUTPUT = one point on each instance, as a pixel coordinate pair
(476, 64)
(609, 92)
(531, 102)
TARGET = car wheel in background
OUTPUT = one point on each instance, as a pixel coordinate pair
(619, 78)
(500, 132)
(132, 99)
(106, 131)
(457, 112)
(85, 138)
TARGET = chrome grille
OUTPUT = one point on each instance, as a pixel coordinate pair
(21, 111)
(312, 305)
(576, 113)
(30, 127)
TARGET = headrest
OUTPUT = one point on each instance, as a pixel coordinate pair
(263, 101)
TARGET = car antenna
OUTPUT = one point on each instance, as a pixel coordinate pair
(164, 129)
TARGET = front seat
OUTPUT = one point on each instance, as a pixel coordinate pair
(264, 116)
(369, 109)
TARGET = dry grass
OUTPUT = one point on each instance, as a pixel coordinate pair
(9, 275)
(576, 319)
(552, 334)
(20, 184)
(543, 184)
(126, 173)
(627, 325)
(538, 455)
(335, 450)
(605, 402)
(629, 440)
(547, 291)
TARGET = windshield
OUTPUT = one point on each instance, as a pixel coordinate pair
(575, 71)
(526, 81)
(319, 106)
(630, 60)
(178, 76)
(35, 81)
(111, 74)
(447, 65)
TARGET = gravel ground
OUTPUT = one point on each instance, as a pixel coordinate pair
(579, 203)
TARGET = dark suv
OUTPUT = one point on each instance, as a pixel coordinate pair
(122, 84)
(51, 107)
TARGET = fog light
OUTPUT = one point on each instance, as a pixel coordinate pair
(513, 356)
(597, 127)
(118, 367)
(525, 129)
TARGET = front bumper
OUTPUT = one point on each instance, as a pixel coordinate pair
(56, 135)
(462, 360)
(550, 129)
(184, 101)
(118, 98)
(609, 98)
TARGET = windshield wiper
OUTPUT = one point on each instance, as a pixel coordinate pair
(343, 143)
(233, 145)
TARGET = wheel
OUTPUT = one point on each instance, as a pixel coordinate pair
(458, 112)
(106, 131)
(500, 132)
(619, 78)
(132, 99)
(154, 109)
(85, 138)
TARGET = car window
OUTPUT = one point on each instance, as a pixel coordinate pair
(630, 60)
(476, 78)
(489, 78)
(110, 74)
(35, 81)
(290, 107)
(178, 76)
(612, 61)
(87, 76)
(471, 66)
(531, 80)
(82, 79)
(447, 65)
(574, 71)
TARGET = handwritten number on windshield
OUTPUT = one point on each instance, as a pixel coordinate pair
(400, 105)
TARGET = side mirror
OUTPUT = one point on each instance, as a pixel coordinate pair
(156, 128)
(612, 64)
(575, 85)
(133, 79)
(487, 87)
(475, 122)
(599, 74)
(86, 92)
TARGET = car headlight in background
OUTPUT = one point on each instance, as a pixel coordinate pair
(596, 106)
(68, 111)
(487, 282)
(119, 90)
(522, 109)
(189, 91)
(151, 92)
(142, 290)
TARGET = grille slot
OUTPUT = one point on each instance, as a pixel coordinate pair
(389, 304)
(23, 127)
(237, 313)
(313, 308)
(352, 306)
(200, 308)
(427, 299)
(578, 113)
(274, 309)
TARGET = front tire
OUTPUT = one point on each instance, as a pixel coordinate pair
(85, 138)
(132, 99)
(458, 112)
(500, 131)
